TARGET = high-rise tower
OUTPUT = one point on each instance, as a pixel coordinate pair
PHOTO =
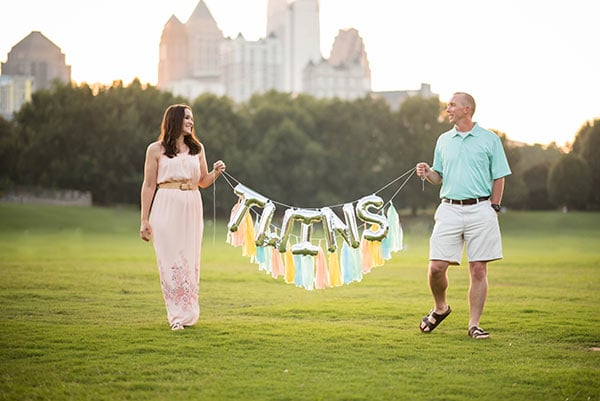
(32, 64)
(204, 40)
(195, 58)
(173, 53)
(296, 24)
(345, 75)
(190, 55)
(38, 57)
(349, 48)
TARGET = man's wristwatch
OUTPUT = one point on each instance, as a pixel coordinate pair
(496, 207)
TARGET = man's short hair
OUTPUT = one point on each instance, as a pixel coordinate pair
(469, 100)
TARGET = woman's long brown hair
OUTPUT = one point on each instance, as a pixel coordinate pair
(172, 126)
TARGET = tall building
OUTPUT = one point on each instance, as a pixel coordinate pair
(32, 64)
(196, 58)
(349, 48)
(344, 81)
(251, 66)
(38, 57)
(278, 28)
(296, 24)
(345, 75)
(173, 53)
(204, 41)
(190, 55)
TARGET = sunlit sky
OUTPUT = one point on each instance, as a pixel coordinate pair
(533, 66)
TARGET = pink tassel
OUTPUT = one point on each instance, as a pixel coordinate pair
(365, 256)
(322, 278)
(236, 238)
(278, 269)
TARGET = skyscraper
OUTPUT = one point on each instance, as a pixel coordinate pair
(173, 53)
(196, 58)
(204, 41)
(32, 64)
(346, 74)
(349, 48)
(296, 24)
(38, 57)
(190, 55)
(251, 67)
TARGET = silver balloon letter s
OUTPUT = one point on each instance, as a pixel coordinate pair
(362, 211)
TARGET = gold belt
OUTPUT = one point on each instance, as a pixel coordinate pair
(184, 186)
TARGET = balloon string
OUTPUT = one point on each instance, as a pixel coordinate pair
(410, 171)
(225, 175)
(401, 186)
(214, 211)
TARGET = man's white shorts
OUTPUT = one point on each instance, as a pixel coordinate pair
(475, 226)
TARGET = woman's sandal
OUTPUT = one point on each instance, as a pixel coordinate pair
(176, 326)
(478, 333)
(432, 325)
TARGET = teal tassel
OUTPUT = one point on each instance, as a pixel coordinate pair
(308, 272)
(386, 247)
(356, 264)
(268, 260)
(261, 258)
(345, 262)
(350, 264)
(298, 270)
(395, 234)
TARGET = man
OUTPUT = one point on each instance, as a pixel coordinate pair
(470, 164)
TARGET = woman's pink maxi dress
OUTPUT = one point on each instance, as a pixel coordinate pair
(177, 223)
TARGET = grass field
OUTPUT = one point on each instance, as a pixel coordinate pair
(83, 318)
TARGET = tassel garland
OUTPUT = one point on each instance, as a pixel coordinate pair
(343, 266)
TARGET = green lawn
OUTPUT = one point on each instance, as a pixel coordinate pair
(83, 318)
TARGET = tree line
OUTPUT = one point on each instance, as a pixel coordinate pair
(297, 150)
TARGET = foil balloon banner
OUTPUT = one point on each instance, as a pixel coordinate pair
(291, 252)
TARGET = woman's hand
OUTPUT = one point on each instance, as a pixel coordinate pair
(145, 231)
(219, 167)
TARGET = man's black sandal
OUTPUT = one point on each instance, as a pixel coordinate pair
(478, 333)
(438, 319)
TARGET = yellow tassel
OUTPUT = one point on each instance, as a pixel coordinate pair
(375, 252)
(290, 268)
(249, 247)
(335, 275)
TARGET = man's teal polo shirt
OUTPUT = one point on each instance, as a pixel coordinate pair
(470, 164)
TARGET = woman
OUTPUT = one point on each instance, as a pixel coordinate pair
(176, 164)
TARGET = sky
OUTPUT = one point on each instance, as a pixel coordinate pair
(533, 66)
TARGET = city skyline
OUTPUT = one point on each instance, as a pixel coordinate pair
(532, 80)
